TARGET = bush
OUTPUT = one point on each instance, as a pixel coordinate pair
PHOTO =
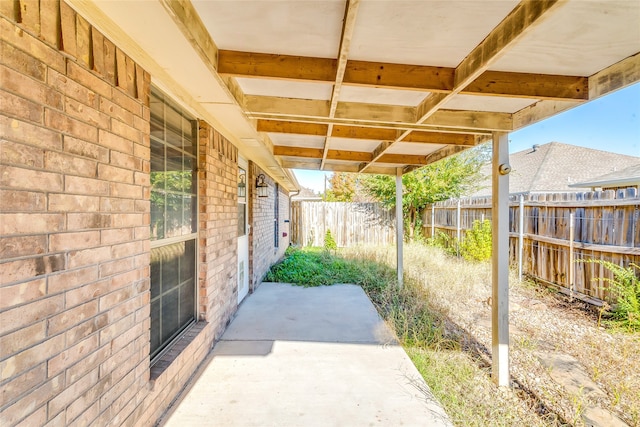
(625, 291)
(329, 242)
(476, 245)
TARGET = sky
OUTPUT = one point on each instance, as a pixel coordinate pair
(610, 123)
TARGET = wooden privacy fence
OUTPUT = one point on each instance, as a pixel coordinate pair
(350, 223)
(552, 234)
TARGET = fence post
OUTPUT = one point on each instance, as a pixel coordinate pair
(520, 237)
(458, 229)
(433, 221)
(571, 261)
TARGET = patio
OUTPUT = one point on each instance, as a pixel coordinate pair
(339, 362)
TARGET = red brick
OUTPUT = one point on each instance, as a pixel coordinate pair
(33, 90)
(127, 220)
(114, 329)
(70, 165)
(87, 292)
(72, 279)
(68, 318)
(13, 247)
(12, 105)
(21, 339)
(87, 328)
(57, 421)
(31, 357)
(112, 173)
(127, 191)
(30, 223)
(115, 267)
(30, 313)
(85, 113)
(20, 61)
(83, 221)
(63, 399)
(88, 256)
(23, 292)
(24, 269)
(20, 131)
(116, 235)
(112, 204)
(142, 125)
(114, 142)
(80, 413)
(141, 178)
(18, 201)
(71, 355)
(79, 185)
(126, 249)
(31, 45)
(73, 203)
(116, 111)
(88, 79)
(20, 154)
(86, 149)
(125, 160)
(72, 89)
(126, 131)
(69, 241)
(128, 103)
(84, 365)
(66, 124)
(16, 177)
(34, 399)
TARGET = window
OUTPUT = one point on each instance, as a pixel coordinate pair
(173, 222)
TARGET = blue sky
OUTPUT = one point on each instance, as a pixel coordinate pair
(610, 123)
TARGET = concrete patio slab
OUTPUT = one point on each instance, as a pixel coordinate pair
(298, 356)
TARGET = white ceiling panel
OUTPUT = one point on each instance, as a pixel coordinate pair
(349, 144)
(411, 32)
(306, 28)
(286, 89)
(369, 95)
(494, 104)
(414, 148)
(291, 140)
(602, 33)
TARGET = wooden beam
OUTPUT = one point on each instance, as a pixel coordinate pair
(403, 159)
(316, 153)
(399, 76)
(617, 76)
(361, 132)
(275, 66)
(524, 85)
(443, 152)
(349, 22)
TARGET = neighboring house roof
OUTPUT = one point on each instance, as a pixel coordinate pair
(555, 166)
(626, 176)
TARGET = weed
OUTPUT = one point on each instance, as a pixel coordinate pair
(476, 245)
(329, 242)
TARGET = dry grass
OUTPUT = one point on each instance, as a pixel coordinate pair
(457, 366)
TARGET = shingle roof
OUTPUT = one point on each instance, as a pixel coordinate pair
(555, 166)
(626, 176)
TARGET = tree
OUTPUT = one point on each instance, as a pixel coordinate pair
(445, 179)
(344, 187)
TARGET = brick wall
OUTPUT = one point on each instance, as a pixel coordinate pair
(74, 226)
(262, 250)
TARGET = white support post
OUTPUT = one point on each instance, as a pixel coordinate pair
(399, 226)
(500, 259)
(571, 255)
(458, 229)
(433, 221)
(520, 237)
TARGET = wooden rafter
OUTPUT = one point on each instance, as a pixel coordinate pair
(351, 156)
(349, 23)
(522, 19)
(360, 132)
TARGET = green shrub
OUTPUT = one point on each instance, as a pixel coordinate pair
(329, 242)
(476, 245)
(625, 291)
(443, 241)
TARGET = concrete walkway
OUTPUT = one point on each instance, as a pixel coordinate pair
(298, 356)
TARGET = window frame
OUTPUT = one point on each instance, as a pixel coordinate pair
(156, 243)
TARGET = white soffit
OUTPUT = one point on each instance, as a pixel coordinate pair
(350, 144)
(306, 28)
(601, 33)
(290, 140)
(286, 89)
(414, 148)
(494, 104)
(367, 95)
(411, 32)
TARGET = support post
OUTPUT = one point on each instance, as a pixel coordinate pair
(433, 221)
(399, 227)
(571, 255)
(458, 228)
(500, 259)
(520, 237)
